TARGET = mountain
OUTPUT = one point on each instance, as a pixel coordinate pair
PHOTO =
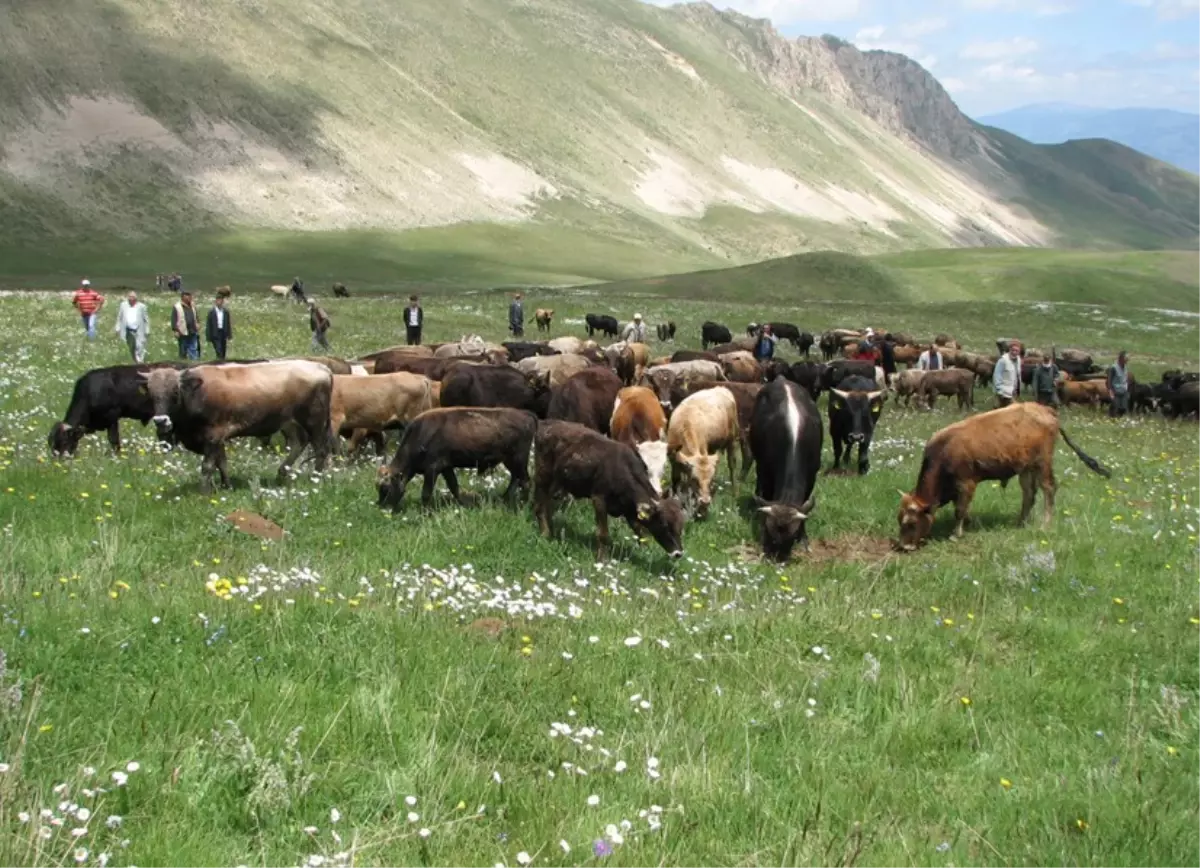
(1165, 134)
(687, 131)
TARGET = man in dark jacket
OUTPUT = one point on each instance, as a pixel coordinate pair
(516, 317)
(1044, 382)
(297, 291)
(218, 327)
(414, 319)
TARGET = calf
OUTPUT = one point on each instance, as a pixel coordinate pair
(853, 411)
(1017, 440)
(638, 420)
(487, 386)
(1092, 392)
(598, 322)
(207, 405)
(577, 461)
(949, 381)
(829, 344)
(586, 398)
(714, 333)
(666, 331)
(907, 383)
(543, 317)
(785, 437)
(361, 406)
(621, 359)
(340, 291)
(440, 440)
(101, 398)
(704, 424)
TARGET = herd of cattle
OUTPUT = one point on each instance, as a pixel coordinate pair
(604, 424)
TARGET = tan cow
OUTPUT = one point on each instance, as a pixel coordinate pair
(906, 354)
(543, 316)
(571, 344)
(639, 421)
(1093, 392)
(555, 370)
(419, 350)
(906, 384)
(367, 405)
(741, 367)
(948, 381)
(704, 424)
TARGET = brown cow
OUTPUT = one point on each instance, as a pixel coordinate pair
(434, 369)
(662, 378)
(335, 365)
(949, 381)
(1093, 392)
(576, 461)
(741, 367)
(418, 350)
(543, 316)
(620, 359)
(703, 424)
(586, 398)
(906, 354)
(553, 370)
(638, 420)
(906, 383)
(366, 405)
(1017, 440)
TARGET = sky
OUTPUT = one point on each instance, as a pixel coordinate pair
(993, 55)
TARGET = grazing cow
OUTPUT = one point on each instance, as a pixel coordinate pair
(704, 424)
(440, 440)
(599, 322)
(638, 420)
(340, 291)
(1093, 392)
(543, 316)
(854, 408)
(744, 393)
(101, 398)
(906, 383)
(434, 369)
(553, 370)
(694, 355)
(518, 350)
(714, 333)
(666, 331)
(573, 460)
(491, 386)
(569, 344)
(207, 405)
(360, 406)
(662, 377)
(948, 381)
(586, 398)
(785, 437)
(1017, 440)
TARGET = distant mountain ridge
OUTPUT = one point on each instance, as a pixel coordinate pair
(1165, 134)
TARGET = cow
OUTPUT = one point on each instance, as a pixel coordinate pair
(207, 405)
(785, 437)
(621, 359)
(854, 409)
(518, 350)
(360, 406)
(906, 383)
(599, 322)
(713, 333)
(785, 331)
(438, 441)
(543, 316)
(469, 345)
(586, 398)
(418, 350)
(434, 369)
(571, 459)
(829, 345)
(694, 355)
(704, 424)
(807, 374)
(744, 393)
(1184, 401)
(840, 369)
(1017, 440)
(101, 398)
(948, 381)
(666, 331)
(661, 378)
(335, 365)
(906, 354)
(944, 340)
(340, 291)
(638, 420)
(1093, 392)
(741, 367)
(569, 344)
(553, 370)
(492, 386)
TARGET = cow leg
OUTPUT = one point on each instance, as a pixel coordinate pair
(543, 508)
(962, 505)
(427, 488)
(114, 436)
(837, 452)
(207, 465)
(747, 457)
(1028, 494)
(223, 465)
(864, 457)
(602, 538)
(733, 480)
(452, 484)
(518, 483)
(1048, 489)
(296, 444)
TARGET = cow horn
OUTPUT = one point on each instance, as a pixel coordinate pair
(808, 506)
(871, 396)
(840, 393)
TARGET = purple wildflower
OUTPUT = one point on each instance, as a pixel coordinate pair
(601, 848)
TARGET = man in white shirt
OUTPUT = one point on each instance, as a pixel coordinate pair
(133, 324)
(1006, 378)
(635, 332)
(930, 360)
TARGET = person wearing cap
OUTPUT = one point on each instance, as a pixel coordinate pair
(635, 332)
(133, 324)
(414, 320)
(186, 327)
(319, 322)
(516, 317)
(88, 302)
(1006, 378)
(1117, 380)
(218, 326)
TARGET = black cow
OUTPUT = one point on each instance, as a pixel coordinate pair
(854, 408)
(786, 331)
(599, 322)
(785, 437)
(518, 350)
(829, 345)
(574, 460)
(102, 397)
(1184, 401)
(587, 398)
(1077, 370)
(666, 331)
(439, 440)
(840, 369)
(714, 333)
(340, 291)
(491, 386)
(810, 375)
(694, 355)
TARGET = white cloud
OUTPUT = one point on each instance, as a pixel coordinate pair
(870, 34)
(923, 27)
(1003, 71)
(955, 85)
(785, 12)
(1037, 7)
(1000, 49)
(1169, 10)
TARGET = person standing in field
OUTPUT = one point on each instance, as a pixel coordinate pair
(185, 326)
(133, 324)
(1117, 380)
(218, 327)
(516, 317)
(635, 332)
(930, 360)
(1045, 382)
(764, 345)
(1006, 378)
(414, 320)
(88, 302)
(319, 322)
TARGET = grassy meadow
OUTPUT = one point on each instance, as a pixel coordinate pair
(177, 692)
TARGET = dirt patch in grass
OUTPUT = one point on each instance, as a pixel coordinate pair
(851, 547)
(255, 525)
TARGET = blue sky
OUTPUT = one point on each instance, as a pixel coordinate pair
(999, 54)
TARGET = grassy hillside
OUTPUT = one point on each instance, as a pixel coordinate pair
(695, 136)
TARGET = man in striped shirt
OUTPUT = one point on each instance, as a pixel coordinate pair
(88, 302)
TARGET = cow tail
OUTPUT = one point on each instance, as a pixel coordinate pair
(1093, 465)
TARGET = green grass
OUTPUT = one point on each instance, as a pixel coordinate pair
(1076, 645)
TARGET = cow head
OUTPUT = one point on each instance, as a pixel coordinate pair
(162, 385)
(64, 439)
(660, 382)
(916, 520)
(699, 470)
(390, 486)
(782, 525)
(663, 519)
(862, 409)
